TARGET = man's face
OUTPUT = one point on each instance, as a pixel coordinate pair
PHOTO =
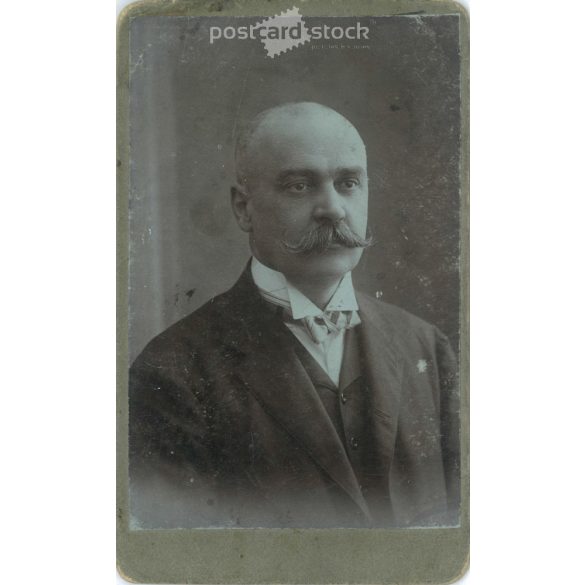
(306, 172)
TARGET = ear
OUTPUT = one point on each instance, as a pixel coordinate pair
(241, 208)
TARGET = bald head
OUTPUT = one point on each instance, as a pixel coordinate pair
(288, 130)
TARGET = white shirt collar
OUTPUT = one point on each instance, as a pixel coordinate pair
(275, 285)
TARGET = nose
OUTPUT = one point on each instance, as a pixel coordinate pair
(329, 205)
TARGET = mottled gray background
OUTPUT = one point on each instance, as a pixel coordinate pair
(187, 97)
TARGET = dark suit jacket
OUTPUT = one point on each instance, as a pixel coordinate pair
(226, 428)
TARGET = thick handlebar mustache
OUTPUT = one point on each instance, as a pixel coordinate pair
(322, 237)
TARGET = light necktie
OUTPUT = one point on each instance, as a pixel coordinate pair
(320, 326)
(317, 326)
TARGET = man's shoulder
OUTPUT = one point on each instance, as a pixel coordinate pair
(390, 312)
(400, 322)
(203, 327)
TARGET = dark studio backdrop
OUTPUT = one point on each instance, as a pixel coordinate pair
(400, 89)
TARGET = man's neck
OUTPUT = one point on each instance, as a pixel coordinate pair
(320, 292)
(300, 289)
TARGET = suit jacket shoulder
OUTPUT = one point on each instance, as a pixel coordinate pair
(404, 324)
(409, 337)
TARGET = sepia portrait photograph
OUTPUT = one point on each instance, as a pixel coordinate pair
(294, 271)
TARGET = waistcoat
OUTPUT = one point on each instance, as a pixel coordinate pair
(348, 409)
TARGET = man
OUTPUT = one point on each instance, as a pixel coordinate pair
(291, 400)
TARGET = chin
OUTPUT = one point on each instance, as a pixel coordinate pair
(334, 263)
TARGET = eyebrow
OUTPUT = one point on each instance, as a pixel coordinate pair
(303, 172)
(289, 173)
(350, 171)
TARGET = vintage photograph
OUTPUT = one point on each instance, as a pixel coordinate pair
(294, 271)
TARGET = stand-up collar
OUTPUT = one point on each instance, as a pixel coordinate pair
(280, 291)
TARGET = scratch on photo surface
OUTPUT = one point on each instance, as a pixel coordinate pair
(137, 63)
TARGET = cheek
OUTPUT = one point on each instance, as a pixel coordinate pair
(359, 212)
(264, 212)
(291, 215)
(274, 214)
(270, 223)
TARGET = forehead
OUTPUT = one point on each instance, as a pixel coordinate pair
(320, 144)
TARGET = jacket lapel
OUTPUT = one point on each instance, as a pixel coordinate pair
(383, 367)
(270, 370)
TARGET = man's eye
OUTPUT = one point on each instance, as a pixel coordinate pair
(298, 187)
(348, 184)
